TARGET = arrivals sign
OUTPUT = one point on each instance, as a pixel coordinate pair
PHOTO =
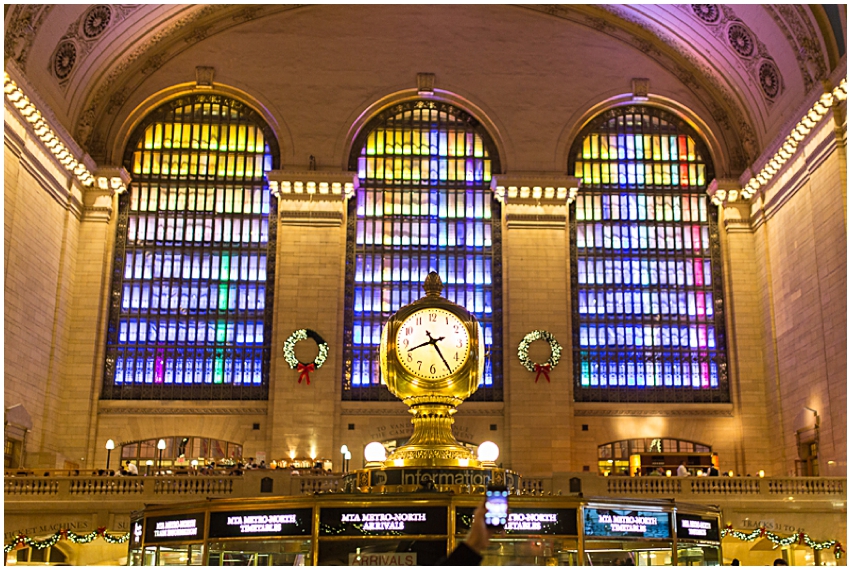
(385, 559)
(626, 523)
(174, 528)
(697, 527)
(382, 521)
(243, 524)
(526, 521)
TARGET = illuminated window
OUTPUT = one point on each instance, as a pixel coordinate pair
(194, 258)
(647, 306)
(424, 204)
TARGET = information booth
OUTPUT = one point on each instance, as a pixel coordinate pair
(417, 529)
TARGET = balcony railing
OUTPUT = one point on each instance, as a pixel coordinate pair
(163, 489)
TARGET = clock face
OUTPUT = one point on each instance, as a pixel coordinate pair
(432, 344)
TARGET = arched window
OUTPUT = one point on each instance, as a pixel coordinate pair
(424, 204)
(194, 256)
(648, 319)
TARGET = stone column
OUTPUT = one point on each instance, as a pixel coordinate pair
(536, 277)
(309, 294)
(746, 350)
(90, 297)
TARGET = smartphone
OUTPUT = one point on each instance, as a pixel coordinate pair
(496, 505)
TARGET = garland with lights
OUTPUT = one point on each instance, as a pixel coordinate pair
(23, 541)
(552, 362)
(800, 538)
(305, 369)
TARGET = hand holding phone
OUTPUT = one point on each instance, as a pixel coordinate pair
(496, 507)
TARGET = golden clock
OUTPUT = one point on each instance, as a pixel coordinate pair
(432, 343)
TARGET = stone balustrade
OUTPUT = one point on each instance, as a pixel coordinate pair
(282, 483)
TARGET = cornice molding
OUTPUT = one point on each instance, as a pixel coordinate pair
(54, 187)
(726, 413)
(310, 218)
(158, 411)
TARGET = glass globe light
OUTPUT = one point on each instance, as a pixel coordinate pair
(488, 452)
(374, 452)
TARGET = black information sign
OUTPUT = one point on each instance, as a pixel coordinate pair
(382, 521)
(522, 520)
(627, 523)
(244, 524)
(696, 527)
(174, 528)
(427, 476)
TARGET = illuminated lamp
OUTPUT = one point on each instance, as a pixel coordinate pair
(524, 191)
(110, 445)
(668, 473)
(311, 187)
(730, 473)
(488, 452)
(814, 115)
(537, 192)
(374, 453)
(549, 192)
(323, 187)
(761, 473)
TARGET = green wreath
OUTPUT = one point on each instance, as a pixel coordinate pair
(305, 368)
(552, 362)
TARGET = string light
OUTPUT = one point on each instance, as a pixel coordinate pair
(25, 541)
(804, 127)
(43, 131)
(801, 538)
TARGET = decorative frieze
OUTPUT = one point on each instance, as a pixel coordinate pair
(550, 189)
(312, 185)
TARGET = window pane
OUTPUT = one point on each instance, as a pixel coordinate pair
(643, 263)
(415, 216)
(192, 242)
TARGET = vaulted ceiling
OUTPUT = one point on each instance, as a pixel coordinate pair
(752, 67)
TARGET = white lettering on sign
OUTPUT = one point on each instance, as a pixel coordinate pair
(696, 528)
(383, 521)
(249, 524)
(529, 521)
(401, 559)
(175, 528)
(626, 523)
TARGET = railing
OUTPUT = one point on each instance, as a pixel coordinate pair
(282, 483)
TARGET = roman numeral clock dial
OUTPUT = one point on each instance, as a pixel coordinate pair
(432, 344)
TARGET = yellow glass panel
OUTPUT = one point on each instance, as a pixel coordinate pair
(657, 148)
(233, 138)
(149, 138)
(691, 151)
(406, 145)
(487, 175)
(595, 144)
(186, 136)
(240, 166)
(701, 174)
(604, 175)
(604, 148)
(595, 173)
(586, 148)
(586, 177)
(478, 150)
(406, 167)
(137, 162)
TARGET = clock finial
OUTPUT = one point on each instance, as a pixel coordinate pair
(433, 285)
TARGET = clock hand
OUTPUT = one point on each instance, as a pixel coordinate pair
(441, 357)
(419, 346)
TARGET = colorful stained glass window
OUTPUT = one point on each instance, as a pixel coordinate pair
(424, 204)
(194, 256)
(648, 313)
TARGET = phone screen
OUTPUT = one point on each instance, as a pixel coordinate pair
(496, 505)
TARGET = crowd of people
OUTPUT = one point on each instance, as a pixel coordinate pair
(131, 469)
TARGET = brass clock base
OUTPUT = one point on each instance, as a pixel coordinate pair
(432, 444)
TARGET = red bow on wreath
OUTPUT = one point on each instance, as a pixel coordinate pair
(837, 549)
(101, 530)
(63, 533)
(542, 369)
(304, 371)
